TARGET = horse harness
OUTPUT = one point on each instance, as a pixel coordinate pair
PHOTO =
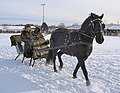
(92, 32)
(74, 38)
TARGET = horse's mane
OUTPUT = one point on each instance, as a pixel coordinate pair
(85, 23)
(87, 20)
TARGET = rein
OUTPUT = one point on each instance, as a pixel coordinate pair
(86, 35)
(64, 46)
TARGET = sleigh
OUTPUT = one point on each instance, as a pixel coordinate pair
(31, 48)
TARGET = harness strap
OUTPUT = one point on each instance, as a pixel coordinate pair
(86, 35)
(80, 43)
(64, 46)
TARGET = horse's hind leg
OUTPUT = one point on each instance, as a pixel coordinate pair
(59, 54)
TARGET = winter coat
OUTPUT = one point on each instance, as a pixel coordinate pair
(26, 36)
(33, 42)
(39, 43)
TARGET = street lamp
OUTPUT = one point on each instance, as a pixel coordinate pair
(43, 11)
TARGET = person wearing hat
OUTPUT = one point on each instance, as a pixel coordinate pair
(26, 37)
(39, 43)
(26, 33)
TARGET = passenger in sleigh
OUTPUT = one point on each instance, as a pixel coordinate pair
(26, 37)
(39, 38)
(39, 43)
(33, 41)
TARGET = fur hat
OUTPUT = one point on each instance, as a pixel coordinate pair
(27, 25)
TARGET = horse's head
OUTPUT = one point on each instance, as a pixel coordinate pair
(93, 27)
(97, 26)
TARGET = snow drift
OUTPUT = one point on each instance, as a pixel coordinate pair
(103, 67)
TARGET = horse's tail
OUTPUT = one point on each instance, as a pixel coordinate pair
(51, 52)
(49, 57)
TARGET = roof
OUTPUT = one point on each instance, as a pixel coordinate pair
(74, 27)
(114, 27)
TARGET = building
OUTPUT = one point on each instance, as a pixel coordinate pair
(112, 30)
(74, 27)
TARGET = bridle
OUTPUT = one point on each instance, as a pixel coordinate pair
(93, 33)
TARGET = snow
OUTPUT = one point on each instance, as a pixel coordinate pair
(103, 67)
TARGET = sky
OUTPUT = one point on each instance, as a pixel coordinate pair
(57, 11)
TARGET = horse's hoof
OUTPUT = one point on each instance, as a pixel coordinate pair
(60, 68)
(74, 77)
(32, 65)
(55, 70)
(87, 82)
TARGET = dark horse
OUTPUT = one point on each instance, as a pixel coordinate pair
(77, 43)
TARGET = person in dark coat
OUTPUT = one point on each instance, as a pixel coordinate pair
(26, 37)
(26, 34)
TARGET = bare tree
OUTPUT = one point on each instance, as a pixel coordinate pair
(61, 25)
(5, 28)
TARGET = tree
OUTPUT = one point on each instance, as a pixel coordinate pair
(61, 25)
(5, 28)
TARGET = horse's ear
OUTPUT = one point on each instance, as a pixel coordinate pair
(92, 15)
(101, 16)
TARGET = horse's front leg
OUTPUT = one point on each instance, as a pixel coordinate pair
(82, 64)
(85, 73)
(76, 70)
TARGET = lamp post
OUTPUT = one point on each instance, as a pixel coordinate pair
(43, 11)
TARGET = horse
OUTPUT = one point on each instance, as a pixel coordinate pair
(78, 43)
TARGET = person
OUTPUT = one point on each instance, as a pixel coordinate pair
(36, 33)
(26, 33)
(39, 43)
(26, 37)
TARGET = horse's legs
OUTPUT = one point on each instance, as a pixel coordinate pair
(60, 60)
(82, 64)
(76, 69)
(85, 73)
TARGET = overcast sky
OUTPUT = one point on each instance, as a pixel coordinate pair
(57, 11)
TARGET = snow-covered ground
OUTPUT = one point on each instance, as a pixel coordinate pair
(103, 67)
